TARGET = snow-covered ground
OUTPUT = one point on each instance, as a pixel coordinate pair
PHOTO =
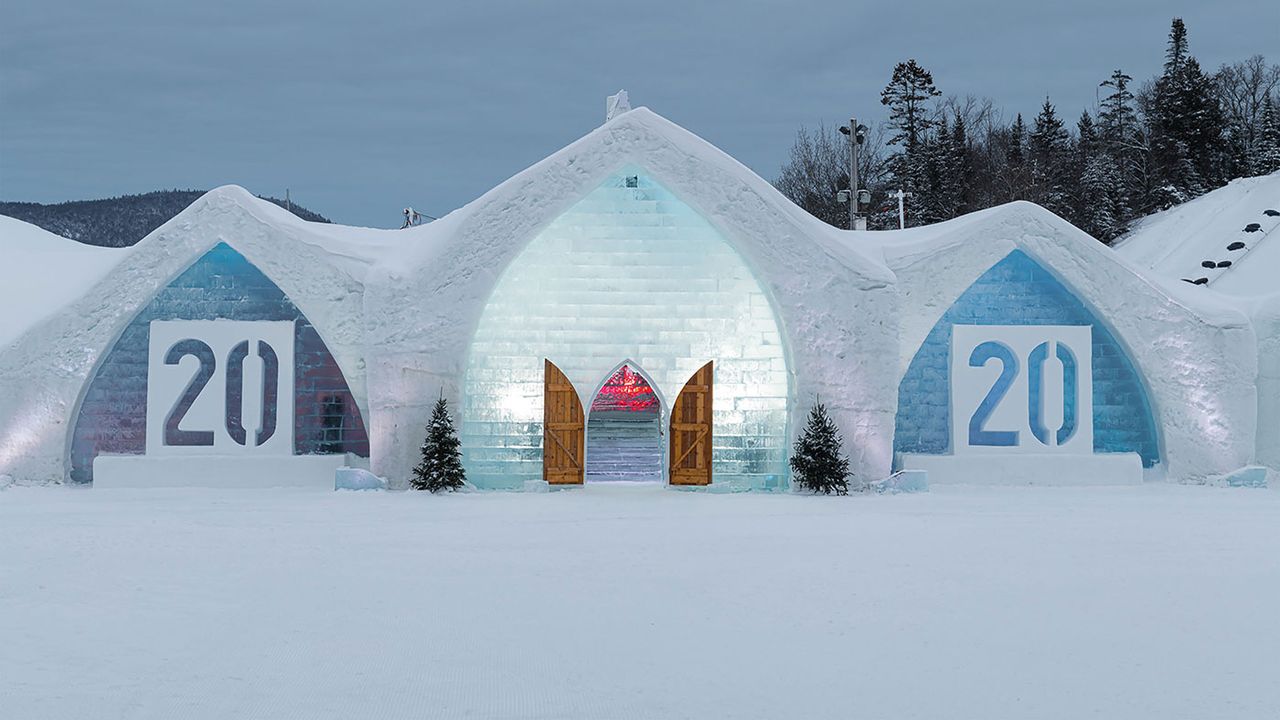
(1159, 601)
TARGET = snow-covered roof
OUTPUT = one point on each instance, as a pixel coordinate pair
(30, 293)
(1238, 225)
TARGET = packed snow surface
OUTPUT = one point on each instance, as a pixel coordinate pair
(1157, 601)
(1177, 242)
(42, 272)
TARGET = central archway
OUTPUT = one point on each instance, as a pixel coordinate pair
(630, 271)
(624, 429)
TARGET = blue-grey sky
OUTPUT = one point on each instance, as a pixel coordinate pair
(361, 108)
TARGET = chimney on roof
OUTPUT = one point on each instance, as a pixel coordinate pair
(615, 105)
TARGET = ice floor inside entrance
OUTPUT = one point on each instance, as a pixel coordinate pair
(624, 431)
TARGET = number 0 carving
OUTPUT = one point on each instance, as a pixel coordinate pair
(235, 392)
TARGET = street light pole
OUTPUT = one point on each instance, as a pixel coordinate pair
(902, 211)
(856, 137)
(853, 173)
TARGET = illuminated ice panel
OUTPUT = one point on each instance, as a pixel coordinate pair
(629, 273)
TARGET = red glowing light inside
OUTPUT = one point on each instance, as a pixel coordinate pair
(626, 390)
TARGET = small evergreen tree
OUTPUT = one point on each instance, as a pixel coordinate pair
(817, 463)
(441, 466)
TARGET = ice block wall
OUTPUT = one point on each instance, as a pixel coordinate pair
(629, 273)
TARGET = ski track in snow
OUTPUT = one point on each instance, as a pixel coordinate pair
(633, 602)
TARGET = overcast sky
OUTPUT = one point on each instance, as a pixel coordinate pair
(365, 107)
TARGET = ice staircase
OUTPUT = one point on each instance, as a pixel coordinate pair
(623, 445)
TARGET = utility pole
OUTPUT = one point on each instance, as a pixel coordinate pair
(857, 135)
(853, 174)
(902, 209)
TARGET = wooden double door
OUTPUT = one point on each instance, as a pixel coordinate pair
(564, 430)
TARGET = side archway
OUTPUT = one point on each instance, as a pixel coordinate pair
(1018, 291)
(221, 285)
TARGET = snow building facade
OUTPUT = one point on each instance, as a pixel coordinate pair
(638, 306)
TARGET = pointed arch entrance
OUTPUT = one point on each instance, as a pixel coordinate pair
(221, 285)
(624, 429)
(630, 271)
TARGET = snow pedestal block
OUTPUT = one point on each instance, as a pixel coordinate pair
(354, 478)
(903, 481)
(1253, 476)
(1029, 469)
(218, 471)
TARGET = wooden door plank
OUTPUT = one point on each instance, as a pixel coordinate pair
(563, 429)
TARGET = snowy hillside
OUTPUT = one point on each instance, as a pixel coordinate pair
(31, 256)
(119, 221)
(1228, 239)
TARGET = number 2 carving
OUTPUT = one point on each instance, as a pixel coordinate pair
(173, 434)
(981, 355)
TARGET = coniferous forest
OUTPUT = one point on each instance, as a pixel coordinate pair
(1148, 145)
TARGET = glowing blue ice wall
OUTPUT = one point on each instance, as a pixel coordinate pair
(628, 273)
(222, 284)
(1018, 291)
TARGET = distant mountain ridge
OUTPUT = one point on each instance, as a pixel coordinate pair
(119, 221)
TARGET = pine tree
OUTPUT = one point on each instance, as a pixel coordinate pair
(937, 193)
(1121, 138)
(907, 93)
(1099, 187)
(961, 167)
(1268, 159)
(441, 465)
(1189, 150)
(1016, 160)
(1048, 152)
(907, 96)
(817, 463)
